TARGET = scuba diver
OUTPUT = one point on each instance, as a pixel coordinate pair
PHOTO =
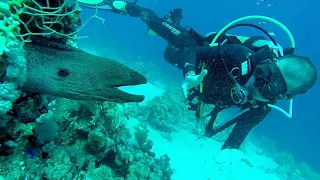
(250, 73)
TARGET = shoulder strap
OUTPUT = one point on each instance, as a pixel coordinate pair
(249, 42)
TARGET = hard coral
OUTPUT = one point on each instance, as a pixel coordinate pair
(9, 27)
(7, 10)
(97, 141)
(167, 112)
(47, 128)
(13, 80)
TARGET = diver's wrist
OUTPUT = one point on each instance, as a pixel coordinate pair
(188, 69)
(190, 73)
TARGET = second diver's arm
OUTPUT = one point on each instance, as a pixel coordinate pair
(173, 33)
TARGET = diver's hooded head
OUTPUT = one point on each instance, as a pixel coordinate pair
(299, 73)
(289, 76)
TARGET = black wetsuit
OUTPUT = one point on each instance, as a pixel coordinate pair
(187, 49)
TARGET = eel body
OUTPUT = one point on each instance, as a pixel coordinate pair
(75, 74)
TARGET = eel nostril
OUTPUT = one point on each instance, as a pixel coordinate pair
(63, 73)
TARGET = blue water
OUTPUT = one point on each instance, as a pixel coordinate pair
(299, 135)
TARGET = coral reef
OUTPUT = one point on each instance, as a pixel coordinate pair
(20, 22)
(288, 167)
(48, 138)
(12, 80)
(167, 113)
(9, 24)
(93, 143)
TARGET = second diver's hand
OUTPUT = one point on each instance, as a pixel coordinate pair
(192, 80)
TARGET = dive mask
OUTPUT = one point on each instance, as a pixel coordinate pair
(269, 81)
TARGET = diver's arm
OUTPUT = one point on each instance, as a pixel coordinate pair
(233, 55)
(188, 60)
(173, 33)
(173, 55)
(168, 27)
(193, 56)
(184, 60)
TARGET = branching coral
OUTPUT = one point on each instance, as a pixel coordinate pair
(54, 19)
(57, 20)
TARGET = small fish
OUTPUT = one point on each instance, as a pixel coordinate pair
(272, 34)
(30, 152)
(10, 143)
(262, 23)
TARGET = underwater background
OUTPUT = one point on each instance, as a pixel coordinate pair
(125, 36)
(48, 134)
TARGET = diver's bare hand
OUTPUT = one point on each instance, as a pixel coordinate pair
(192, 80)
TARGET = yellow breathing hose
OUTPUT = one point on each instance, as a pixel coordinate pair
(282, 26)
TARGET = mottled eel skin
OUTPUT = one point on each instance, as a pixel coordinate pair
(75, 74)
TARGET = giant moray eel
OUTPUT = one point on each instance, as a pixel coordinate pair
(74, 74)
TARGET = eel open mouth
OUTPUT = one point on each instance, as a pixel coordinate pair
(127, 92)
